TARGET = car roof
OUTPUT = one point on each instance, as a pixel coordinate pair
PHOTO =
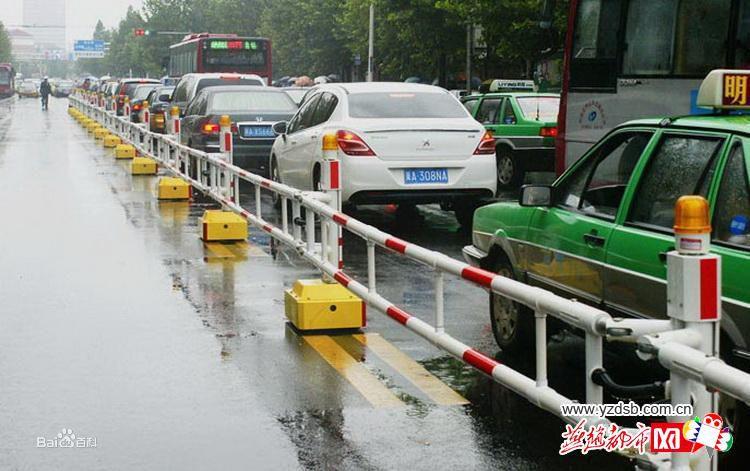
(714, 122)
(239, 88)
(511, 94)
(141, 80)
(209, 75)
(383, 87)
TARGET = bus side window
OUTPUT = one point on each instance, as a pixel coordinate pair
(593, 61)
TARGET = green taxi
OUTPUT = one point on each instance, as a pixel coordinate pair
(524, 125)
(600, 233)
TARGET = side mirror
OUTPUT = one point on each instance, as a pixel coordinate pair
(536, 195)
(280, 127)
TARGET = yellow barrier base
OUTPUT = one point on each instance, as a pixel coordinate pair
(223, 225)
(91, 126)
(316, 305)
(124, 151)
(143, 166)
(110, 141)
(100, 132)
(171, 188)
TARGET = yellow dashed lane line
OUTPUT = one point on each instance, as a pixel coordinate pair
(360, 377)
(435, 389)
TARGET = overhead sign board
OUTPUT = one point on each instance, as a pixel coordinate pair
(88, 48)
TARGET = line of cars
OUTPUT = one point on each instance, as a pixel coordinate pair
(401, 143)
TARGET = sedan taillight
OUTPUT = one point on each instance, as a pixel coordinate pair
(486, 145)
(351, 144)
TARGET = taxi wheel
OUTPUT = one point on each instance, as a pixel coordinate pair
(736, 413)
(512, 322)
(509, 169)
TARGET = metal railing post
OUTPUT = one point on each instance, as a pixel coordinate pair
(694, 302)
(540, 320)
(225, 147)
(331, 181)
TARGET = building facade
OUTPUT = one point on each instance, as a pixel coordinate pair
(45, 20)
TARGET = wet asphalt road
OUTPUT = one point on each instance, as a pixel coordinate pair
(118, 323)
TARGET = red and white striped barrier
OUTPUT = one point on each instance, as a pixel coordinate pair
(675, 349)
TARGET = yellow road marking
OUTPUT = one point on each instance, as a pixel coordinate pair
(363, 381)
(219, 250)
(435, 389)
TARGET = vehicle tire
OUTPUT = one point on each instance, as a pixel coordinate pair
(273, 172)
(512, 322)
(736, 414)
(464, 213)
(316, 178)
(510, 172)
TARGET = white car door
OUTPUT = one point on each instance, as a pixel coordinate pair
(295, 161)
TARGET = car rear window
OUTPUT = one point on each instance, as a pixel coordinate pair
(142, 92)
(250, 101)
(129, 88)
(543, 108)
(226, 82)
(404, 105)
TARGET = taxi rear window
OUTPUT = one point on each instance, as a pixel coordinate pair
(541, 108)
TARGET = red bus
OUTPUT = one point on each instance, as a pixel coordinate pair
(6, 80)
(630, 59)
(206, 52)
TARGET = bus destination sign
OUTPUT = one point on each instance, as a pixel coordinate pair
(224, 44)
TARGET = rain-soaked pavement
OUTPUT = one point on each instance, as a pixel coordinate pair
(119, 324)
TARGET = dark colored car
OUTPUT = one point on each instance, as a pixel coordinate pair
(190, 84)
(159, 104)
(127, 87)
(253, 111)
(140, 93)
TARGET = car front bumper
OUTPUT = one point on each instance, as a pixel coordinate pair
(473, 255)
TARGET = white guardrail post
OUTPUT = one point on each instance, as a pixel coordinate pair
(227, 153)
(331, 181)
(694, 303)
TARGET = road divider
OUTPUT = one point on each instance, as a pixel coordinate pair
(664, 340)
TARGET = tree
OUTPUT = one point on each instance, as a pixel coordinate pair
(5, 47)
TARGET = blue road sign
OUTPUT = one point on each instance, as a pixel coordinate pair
(88, 45)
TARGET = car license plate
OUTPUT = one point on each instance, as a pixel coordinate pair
(414, 176)
(257, 131)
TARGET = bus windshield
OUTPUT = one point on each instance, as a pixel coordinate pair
(238, 60)
(4, 77)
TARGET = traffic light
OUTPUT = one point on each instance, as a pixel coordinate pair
(141, 32)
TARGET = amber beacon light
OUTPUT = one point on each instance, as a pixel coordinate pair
(692, 226)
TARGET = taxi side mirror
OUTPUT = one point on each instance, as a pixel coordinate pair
(536, 195)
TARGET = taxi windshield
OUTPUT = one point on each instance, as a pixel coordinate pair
(539, 108)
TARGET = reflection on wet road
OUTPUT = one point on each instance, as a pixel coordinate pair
(118, 322)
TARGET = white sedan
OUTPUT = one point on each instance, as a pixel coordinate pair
(397, 142)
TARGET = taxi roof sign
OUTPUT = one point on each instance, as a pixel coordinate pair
(505, 85)
(725, 89)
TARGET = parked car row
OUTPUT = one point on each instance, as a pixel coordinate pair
(401, 143)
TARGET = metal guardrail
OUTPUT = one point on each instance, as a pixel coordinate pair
(684, 348)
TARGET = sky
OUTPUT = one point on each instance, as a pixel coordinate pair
(81, 15)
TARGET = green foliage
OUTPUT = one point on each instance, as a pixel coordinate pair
(5, 50)
(425, 38)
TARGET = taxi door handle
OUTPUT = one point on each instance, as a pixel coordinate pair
(593, 240)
